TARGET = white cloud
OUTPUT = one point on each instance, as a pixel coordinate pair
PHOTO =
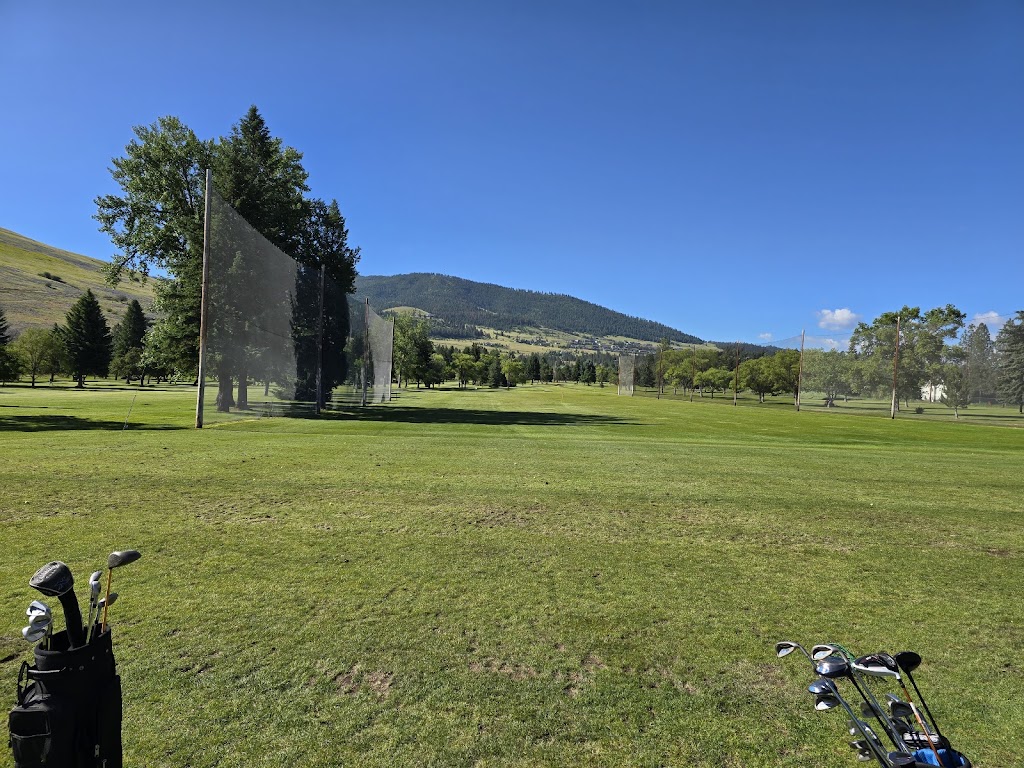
(993, 320)
(764, 336)
(837, 319)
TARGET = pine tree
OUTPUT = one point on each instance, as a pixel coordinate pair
(128, 342)
(5, 335)
(87, 338)
(1010, 345)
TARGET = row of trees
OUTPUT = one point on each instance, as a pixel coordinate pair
(84, 346)
(156, 223)
(927, 355)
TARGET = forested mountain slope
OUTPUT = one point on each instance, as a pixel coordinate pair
(457, 302)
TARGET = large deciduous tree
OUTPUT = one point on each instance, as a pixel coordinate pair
(36, 348)
(87, 339)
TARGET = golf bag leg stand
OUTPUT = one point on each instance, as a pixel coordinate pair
(69, 712)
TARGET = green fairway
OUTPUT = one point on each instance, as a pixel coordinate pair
(542, 576)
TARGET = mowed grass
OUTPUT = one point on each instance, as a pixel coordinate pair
(546, 576)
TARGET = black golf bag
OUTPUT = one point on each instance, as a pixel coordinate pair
(69, 707)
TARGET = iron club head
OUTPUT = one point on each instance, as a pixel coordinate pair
(33, 634)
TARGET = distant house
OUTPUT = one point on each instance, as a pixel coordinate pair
(933, 393)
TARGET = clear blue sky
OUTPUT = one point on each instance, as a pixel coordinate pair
(731, 169)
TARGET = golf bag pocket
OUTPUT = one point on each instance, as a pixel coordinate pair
(108, 726)
(43, 730)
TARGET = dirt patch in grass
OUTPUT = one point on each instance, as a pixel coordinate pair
(354, 680)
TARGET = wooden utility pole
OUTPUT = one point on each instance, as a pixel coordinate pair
(736, 377)
(895, 369)
(204, 304)
(366, 347)
(800, 375)
(320, 346)
(693, 370)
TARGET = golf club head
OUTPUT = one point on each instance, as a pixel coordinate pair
(823, 650)
(785, 647)
(37, 608)
(868, 709)
(106, 602)
(865, 756)
(877, 665)
(123, 557)
(858, 728)
(53, 579)
(900, 709)
(821, 685)
(94, 582)
(833, 667)
(40, 620)
(33, 634)
(908, 661)
(825, 701)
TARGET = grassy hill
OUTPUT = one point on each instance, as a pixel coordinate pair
(39, 283)
(458, 308)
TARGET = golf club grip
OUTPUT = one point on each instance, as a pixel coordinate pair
(73, 618)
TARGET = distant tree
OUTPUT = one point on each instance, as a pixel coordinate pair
(589, 374)
(1010, 345)
(714, 379)
(513, 370)
(412, 348)
(495, 377)
(829, 372)
(533, 368)
(546, 373)
(9, 362)
(757, 376)
(604, 374)
(127, 343)
(981, 361)
(35, 347)
(87, 338)
(5, 329)
(956, 380)
(58, 360)
(785, 371)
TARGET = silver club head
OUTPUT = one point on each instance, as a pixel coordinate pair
(106, 602)
(33, 634)
(94, 582)
(786, 647)
(37, 608)
(825, 701)
(822, 650)
(40, 620)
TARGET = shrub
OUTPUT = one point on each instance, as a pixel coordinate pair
(919, 409)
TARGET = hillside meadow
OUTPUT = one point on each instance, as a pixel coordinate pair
(542, 576)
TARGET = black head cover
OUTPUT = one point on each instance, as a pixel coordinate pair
(908, 660)
(53, 579)
(117, 559)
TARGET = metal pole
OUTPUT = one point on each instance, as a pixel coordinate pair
(693, 370)
(895, 369)
(800, 375)
(320, 347)
(366, 347)
(204, 303)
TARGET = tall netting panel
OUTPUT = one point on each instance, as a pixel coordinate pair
(381, 336)
(255, 294)
(627, 368)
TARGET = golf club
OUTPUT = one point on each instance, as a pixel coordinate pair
(55, 580)
(116, 560)
(33, 634)
(786, 647)
(94, 594)
(871, 707)
(884, 665)
(908, 661)
(829, 698)
(833, 667)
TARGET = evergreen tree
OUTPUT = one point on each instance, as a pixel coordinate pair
(1010, 345)
(533, 368)
(127, 343)
(981, 361)
(87, 339)
(9, 366)
(5, 329)
(589, 374)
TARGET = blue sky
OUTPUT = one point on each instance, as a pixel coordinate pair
(737, 170)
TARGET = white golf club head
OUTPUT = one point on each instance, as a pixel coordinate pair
(33, 634)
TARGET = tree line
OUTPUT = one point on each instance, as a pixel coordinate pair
(925, 355)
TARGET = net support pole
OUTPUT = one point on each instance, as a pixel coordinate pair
(693, 370)
(320, 346)
(204, 305)
(366, 348)
(800, 374)
(895, 369)
(736, 378)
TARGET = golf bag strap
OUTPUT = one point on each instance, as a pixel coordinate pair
(22, 677)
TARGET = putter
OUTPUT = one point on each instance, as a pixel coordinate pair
(116, 560)
(55, 580)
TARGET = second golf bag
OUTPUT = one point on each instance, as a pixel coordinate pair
(68, 713)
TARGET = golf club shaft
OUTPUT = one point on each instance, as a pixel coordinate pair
(110, 575)
(917, 716)
(924, 704)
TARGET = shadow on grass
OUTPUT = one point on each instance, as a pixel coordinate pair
(47, 423)
(392, 413)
